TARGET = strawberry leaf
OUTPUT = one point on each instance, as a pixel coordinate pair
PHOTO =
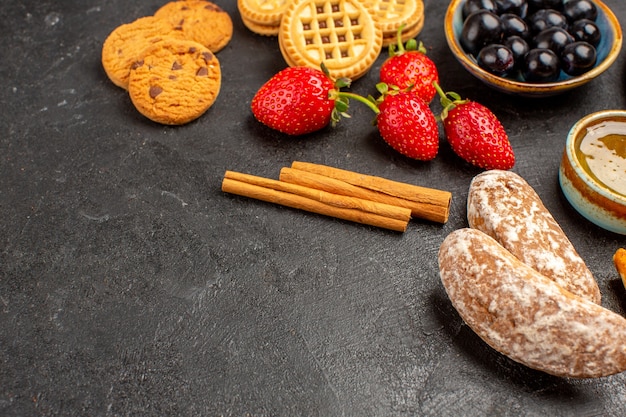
(342, 104)
(411, 45)
(449, 100)
(343, 82)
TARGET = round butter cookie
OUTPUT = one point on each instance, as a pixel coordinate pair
(126, 43)
(259, 29)
(390, 15)
(405, 35)
(201, 21)
(175, 81)
(340, 33)
(262, 12)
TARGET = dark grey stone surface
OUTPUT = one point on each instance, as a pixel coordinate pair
(131, 285)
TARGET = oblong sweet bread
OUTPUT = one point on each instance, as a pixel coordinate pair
(526, 316)
(504, 206)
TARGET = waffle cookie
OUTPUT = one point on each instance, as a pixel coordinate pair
(342, 34)
(200, 20)
(262, 16)
(175, 81)
(391, 15)
(126, 42)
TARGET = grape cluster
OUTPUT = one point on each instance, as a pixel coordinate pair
(535, 39)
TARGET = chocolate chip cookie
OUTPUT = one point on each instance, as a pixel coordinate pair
(175, 81)
(199, 20)
(126, 43)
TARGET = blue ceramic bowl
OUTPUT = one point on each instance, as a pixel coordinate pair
(607, 51)
(592, 174)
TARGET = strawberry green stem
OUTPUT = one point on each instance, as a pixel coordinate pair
(400, 48)
(372, 106)
(445, 101)
(448, 100)
(400, 45)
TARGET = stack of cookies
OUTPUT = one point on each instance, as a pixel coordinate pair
(166, 61)
(406, 16)
(261, 16)
(346, 35)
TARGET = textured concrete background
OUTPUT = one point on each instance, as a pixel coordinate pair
(131, 285)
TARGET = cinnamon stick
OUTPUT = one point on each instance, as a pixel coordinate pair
(317, 201)
(425, 203)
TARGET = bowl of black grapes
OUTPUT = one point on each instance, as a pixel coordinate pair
(533, 48)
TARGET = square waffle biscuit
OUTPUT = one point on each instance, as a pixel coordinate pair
(342, 34)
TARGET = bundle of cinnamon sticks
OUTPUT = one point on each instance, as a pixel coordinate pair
(346, 195)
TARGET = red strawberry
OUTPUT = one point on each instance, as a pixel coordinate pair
(475, 133)
(300, 100)
(409, 67)
(408, 125)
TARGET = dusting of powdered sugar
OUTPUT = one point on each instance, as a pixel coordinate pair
(526, 316)
(504, 206)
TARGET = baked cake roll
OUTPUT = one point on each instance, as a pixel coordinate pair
(526, 316)
(504, 206)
